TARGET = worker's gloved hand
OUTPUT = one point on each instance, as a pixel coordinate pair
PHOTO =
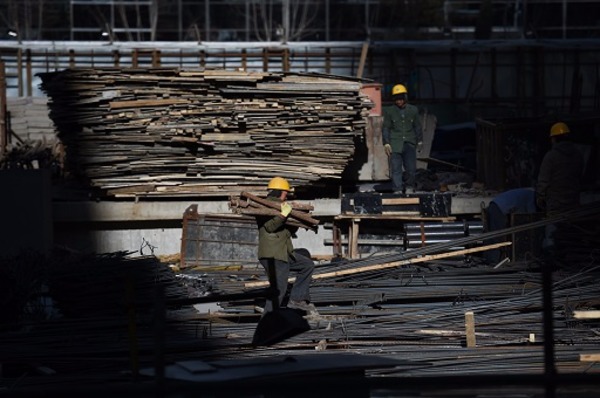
(286, 209)
(388, 149)
(419, 146)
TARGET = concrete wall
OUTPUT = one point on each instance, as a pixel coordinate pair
(156, 227)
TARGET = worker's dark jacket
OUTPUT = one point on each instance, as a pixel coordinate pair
(401, 125)
(559, 180)
(274, 237)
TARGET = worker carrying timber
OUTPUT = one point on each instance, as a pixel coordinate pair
(559, 180)
(402, 138)
(275, 246)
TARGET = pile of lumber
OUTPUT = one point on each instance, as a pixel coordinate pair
(171, 132)
(252, 205)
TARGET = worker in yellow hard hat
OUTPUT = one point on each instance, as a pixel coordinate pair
(275, 249)
(402, 138)
(558, 185)
(280, 184)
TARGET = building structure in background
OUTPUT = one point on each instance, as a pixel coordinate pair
(296, 20)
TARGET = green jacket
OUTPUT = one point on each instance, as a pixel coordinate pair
(401, 125)
(274, 237)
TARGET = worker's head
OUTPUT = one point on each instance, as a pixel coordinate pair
(559, 131)
(279, 187)
(399, 94)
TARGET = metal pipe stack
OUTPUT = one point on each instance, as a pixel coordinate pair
(428, 233)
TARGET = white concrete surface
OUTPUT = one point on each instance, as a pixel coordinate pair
(155, 227)
(161, 210)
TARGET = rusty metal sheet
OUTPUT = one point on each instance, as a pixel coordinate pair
(210, 240)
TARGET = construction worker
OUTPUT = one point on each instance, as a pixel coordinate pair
(402, 138)
(559, 180)
(275, 248)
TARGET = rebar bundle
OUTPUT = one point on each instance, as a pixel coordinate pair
(414, 314)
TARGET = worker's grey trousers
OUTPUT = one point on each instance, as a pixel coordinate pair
(298, 264)
(407, 161)
(496, 220)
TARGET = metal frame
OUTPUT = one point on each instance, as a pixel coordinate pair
(111, 30)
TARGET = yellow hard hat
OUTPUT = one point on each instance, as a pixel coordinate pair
(279, 183)
(398, 89)
(559, 128)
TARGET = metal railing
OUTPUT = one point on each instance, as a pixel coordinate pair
(502, 76)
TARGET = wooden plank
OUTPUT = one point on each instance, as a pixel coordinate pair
(406, 217)
(470, 329)
(438, 161)
(363, 59)
(377, 267)
(595, 357)
(400, 201)
(353, 238)
(311, 86)
(591, 314)
(369, 242)
(148, 102)
(401, 213)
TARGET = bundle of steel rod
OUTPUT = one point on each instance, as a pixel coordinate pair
(381, 265)
(509, 316)
(423, 234)
(414, 313)
(249, 204)
(365, 268)
(98, 315)
(172, 132)
(425, 335)
(431, 307)
(426, 327)
(108, 284)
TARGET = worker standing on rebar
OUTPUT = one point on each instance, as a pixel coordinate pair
(275, 248)
(559, 181)
(402, 138)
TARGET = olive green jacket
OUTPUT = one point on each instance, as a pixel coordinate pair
(401, 125)
(274, 237)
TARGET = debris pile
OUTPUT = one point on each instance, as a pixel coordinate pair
(169, 132)
(30, 155)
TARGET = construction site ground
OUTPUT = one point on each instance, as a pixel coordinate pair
(435, 321)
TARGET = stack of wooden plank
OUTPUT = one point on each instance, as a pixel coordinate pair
(172, 132)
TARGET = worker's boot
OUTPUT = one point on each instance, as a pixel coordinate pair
(305, 306)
